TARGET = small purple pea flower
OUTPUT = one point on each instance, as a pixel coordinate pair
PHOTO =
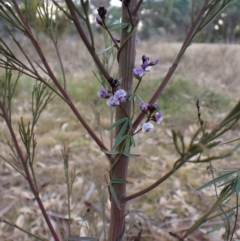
(138, 72)
(144, 106)
(116, 39)
(147, 127)
(145, 66)
(158, 117)
(120, 95)
(103, 93)
(111, 101)
(99, 21)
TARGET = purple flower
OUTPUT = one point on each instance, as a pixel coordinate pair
(158, 117)
(116, 39)
(143, 106)
(112, 102)
(99, 21)
(103, 93)
(138, 72)
(147, 127)
(120, 95)
(145, 66)
(136, 41)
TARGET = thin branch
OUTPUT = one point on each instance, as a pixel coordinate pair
(221, 208)
(84, 38)
(23, 230)
(27, 173)
(135, 10)
(179, 162)
(88, 23)
(175, 64)
(236, 216)
(63, 10)
(56, 82)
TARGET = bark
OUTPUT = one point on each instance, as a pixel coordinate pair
(126, 65)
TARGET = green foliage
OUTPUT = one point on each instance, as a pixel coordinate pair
(44, 15)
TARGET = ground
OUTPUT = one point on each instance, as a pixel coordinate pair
(208, 72)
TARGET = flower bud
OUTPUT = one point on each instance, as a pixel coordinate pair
(99, 21)
(102, 11)
(153, 107)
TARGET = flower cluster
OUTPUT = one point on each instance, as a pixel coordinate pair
(113, 97)
(146, 65)
(152, 113)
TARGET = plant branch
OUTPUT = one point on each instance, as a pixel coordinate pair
(23, 230)
(217, 196)
(179, 162)
(236, 216)
(56, 82)
(175, 64)
(84, 38)
(63, 10)
(135, 10)
(27, 173)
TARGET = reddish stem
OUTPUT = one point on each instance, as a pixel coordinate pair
(56, 82)
(175, 64)
(85, 39)
(159, 91)
(27, 173)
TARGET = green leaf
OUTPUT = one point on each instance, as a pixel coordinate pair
(238, 139)
(131, 96)
(132, 215)
(117, 26)
(119, 140)
(101, 231)
(138, 213)
(127, 144)
(129, 29)
(120, 134)
(118, 122)
(114, 196)
(116, 181)
(110, 152)
(228, 216)
(130, 122)
(216, 228)
(102, 193)
(75, 238)
(133, 143)
(218, 179)
(130, 155)
(238, 184)
(235, 148)
(105, 50)
(227, 182)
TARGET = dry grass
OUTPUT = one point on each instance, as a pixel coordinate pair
(208, 72)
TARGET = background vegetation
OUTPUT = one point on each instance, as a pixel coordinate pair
(203, 74)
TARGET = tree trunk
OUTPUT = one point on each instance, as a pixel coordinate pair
(126, 65)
